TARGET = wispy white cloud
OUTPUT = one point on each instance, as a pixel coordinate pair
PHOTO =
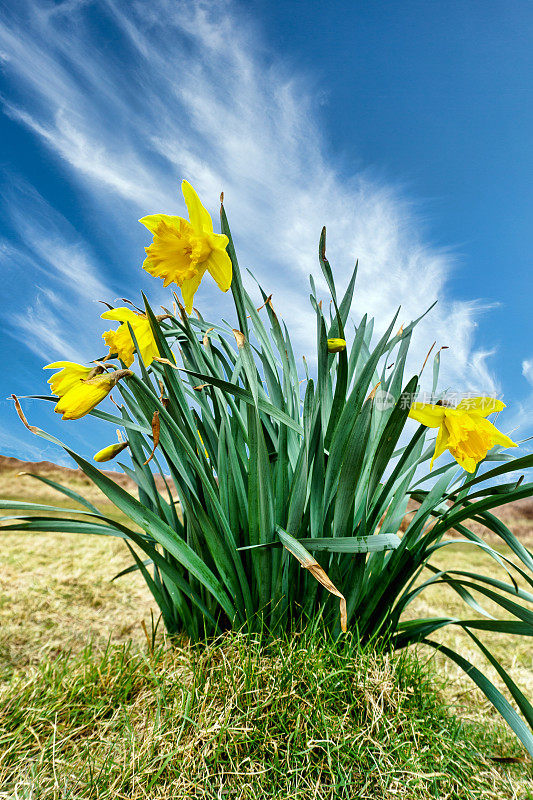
(190, 90)
(55, 245)
(53, 278)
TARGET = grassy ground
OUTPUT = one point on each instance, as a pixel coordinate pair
(115, 719)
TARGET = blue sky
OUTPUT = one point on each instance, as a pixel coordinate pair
(405, 127)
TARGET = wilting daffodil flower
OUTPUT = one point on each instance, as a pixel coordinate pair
(336, 345)
(463, 430)
(120, 341)
(81, 388)
(109, 452)
(183, 250)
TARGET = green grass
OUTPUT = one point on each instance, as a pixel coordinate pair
(302, 719)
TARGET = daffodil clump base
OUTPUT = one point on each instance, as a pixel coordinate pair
(286, 486)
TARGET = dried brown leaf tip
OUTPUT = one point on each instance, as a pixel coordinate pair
(426, 359)
(114, 401)
(374, 390)
(318, 572)
(20, 412)
(205, 339)
(164, 400)
(240, 338)
(166, 361)
(267, 302)
(155, 434)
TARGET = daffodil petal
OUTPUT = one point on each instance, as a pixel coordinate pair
(153, 221)
(427, 414)
(441, 444)
(121, 343)
(68, 376)
(471, 436)
(199, 216)
(504, 440)
(480, 405)
(61, 364)
(219, 267)
(497, 436)
(468, 463)
(188, 289)
(146, 342)
(120, 314)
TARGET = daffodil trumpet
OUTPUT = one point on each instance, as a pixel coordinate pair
(464, 430)
(182, 250)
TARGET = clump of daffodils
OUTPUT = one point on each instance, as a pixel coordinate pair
(285, 489)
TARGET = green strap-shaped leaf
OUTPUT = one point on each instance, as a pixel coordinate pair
(79, 498)
(21, 505)
(391, 434)
(345, 544)
(493, 694)
(148, 521)
(237, 288)
(55, 525)
(353, 544)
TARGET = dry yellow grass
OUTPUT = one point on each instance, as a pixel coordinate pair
(56, 589)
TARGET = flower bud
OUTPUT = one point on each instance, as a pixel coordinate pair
(336, 345)
(109, 452)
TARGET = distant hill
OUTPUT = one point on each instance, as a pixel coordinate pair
(63, 474)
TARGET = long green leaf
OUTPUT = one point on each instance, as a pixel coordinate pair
(515, 722)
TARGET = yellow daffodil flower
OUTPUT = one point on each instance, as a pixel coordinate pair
(182, 250)
(463, 430)
(81, 388)
(109, 452)
(120, 341)
(336, 345)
